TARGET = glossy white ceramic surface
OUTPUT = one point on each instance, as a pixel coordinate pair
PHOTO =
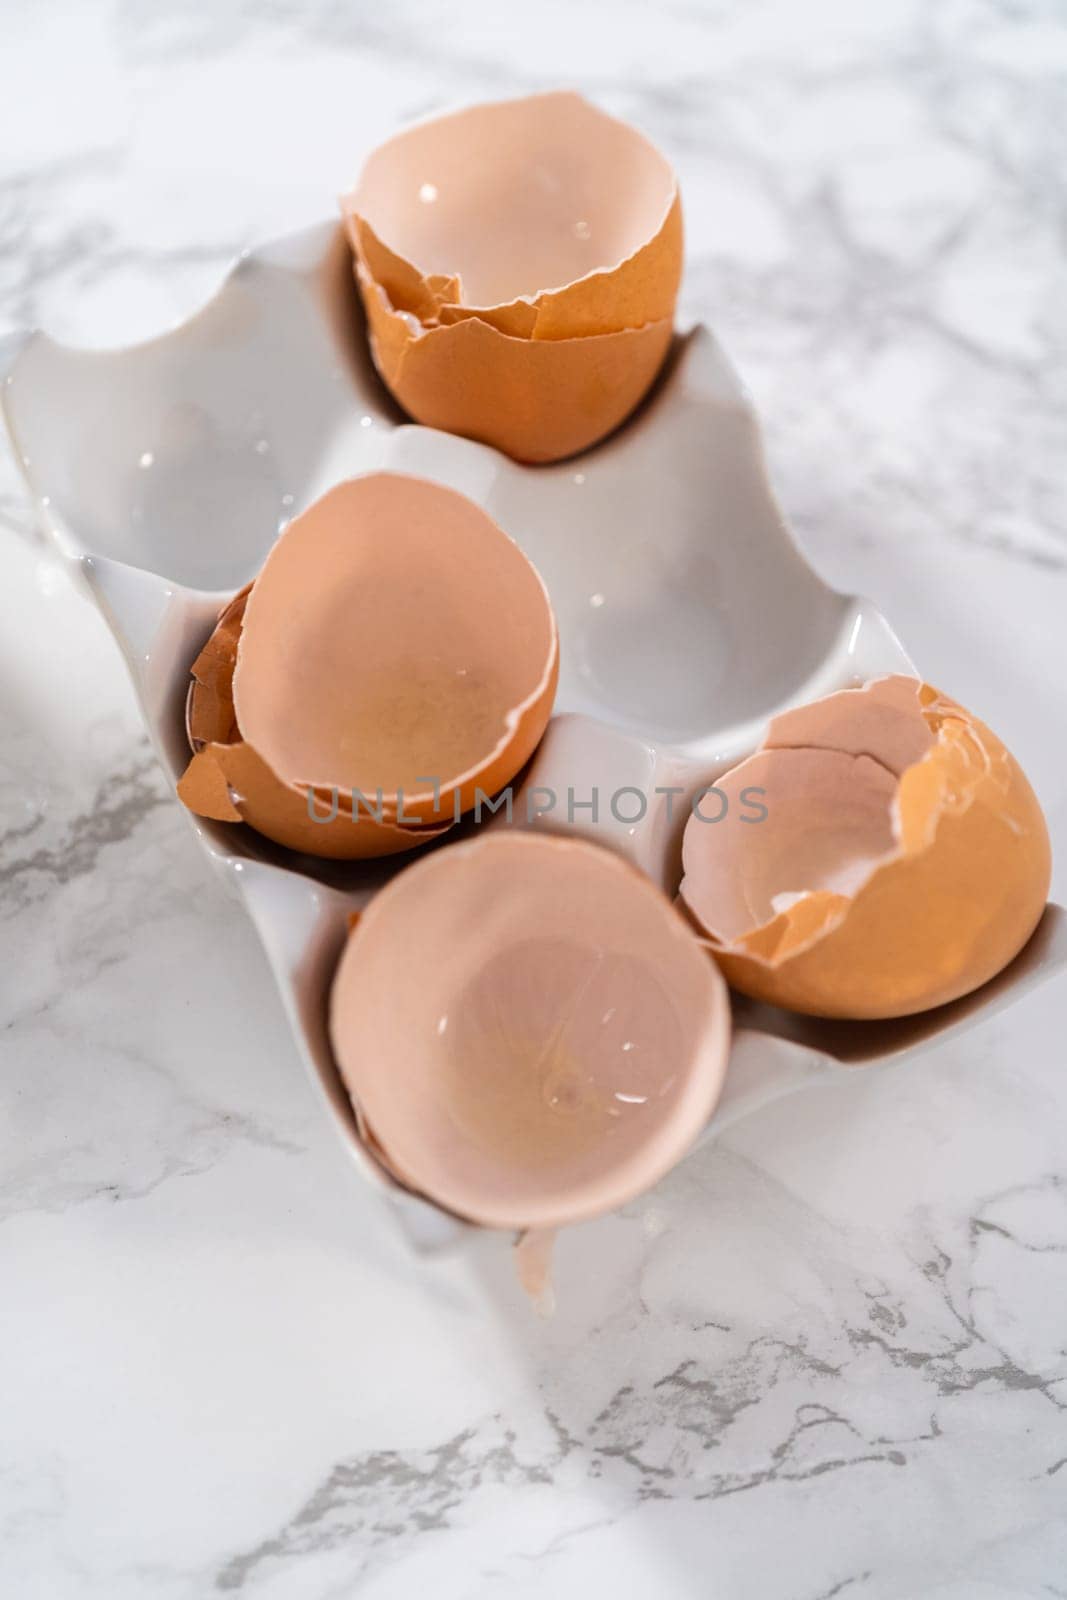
(687, 615)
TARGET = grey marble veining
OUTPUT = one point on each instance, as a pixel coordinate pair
(827, 1356)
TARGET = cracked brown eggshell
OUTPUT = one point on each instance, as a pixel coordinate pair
(396, 632)
(519, 262)
(537, 401)
(529, 1031)
(396, 641)
(903, 861)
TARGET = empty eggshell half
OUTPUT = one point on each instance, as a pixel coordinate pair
(227, 781)
(482, 236)
(902, 862)
(529, 1031)
(396, 643)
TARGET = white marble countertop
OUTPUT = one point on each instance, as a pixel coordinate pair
(827, 1357)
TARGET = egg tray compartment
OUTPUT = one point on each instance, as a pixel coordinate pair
(687, 616)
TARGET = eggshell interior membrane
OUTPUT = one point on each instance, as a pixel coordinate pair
(227, 781)
(903, 861)
(529, 1029)
(398, 641)
(543, 214)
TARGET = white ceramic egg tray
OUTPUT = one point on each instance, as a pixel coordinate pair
(687, 616)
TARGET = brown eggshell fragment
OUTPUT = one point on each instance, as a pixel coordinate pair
(903, 861)
(403, 284)
(528, 1029)
(205, 788)
(537, 400)
(398, 641)
(227, 781)
(279, 813)
(209, 714)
